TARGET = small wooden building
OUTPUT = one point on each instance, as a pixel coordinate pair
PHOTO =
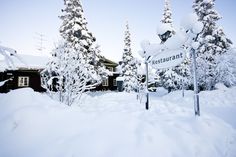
(27, 74)
(21, 78)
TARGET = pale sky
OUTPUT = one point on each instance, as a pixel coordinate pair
(22, 20)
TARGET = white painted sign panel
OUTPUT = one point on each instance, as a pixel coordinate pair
(168, 59)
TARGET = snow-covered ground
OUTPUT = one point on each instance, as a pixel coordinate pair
(111, 124)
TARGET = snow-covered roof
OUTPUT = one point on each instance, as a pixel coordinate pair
(26, 62)
(120, 79)
(108, 61)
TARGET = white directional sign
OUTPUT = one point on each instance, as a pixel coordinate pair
(168, 59)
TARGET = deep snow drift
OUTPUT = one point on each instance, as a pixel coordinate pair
(110, 124)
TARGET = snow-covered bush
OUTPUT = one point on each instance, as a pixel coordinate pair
(66, 75)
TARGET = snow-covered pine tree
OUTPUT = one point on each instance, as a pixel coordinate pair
(74, 30)
(129, 68)
(172, 78)
(74, 65)
(167, 15)
(184, 77)
(167, 76)
(213, 43)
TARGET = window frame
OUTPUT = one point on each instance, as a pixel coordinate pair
(114, 82)
(23, 81)
(105, 82)
(111, 69)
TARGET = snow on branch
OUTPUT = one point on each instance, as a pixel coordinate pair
(3, 82)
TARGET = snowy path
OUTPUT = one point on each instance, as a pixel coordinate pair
(116, 125)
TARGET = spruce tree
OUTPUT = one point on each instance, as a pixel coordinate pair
(74, 30)
(74, 27)
(129, 68)
(213, 43)
(175, 77)
(167, 15)
(167, 76)
(74, 66)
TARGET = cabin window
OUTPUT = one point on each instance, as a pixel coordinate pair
(114, 82)
(105, 82)
(110, 69)
(23, 81)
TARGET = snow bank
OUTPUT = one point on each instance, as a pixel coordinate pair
(220, 86)
(111, 124)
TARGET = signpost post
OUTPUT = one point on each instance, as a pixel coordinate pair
(147, 93)
(182, 84)
(196, 96)
(145, 45)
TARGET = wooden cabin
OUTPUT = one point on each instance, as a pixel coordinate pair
(20, 79)
(27, 74)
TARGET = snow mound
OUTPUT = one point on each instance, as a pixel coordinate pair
(220, 86)
(112, 124)
(161, 91)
